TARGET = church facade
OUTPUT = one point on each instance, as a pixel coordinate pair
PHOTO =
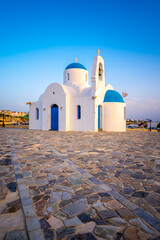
(77, 106)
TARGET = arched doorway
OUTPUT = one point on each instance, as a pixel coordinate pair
(99, 117)
(54, 117)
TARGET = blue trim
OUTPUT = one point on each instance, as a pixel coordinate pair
(37, 109)
(113, 96)
(99, 117)
(79, 112)
(75, 65)
(54, 117)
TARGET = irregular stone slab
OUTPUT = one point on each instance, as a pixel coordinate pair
(62, 233)
(113, 204)
(27, 173)
(52, 181)
(75, 208)
(104, 194)
(76, 197)
(90, 212)
(86, 228)
(36, 235)
(44, 224)
(131, 233)
(106, 231)
(12, 186)
(37, 198)
(107, 214)
(12, 207)
(48, 234)
(61, 215)
(127, 191)
(43, 187)
(92, 198)
(106, 199)
(138, 175)
(4, 170)
(144, 235)
(50, 209)
(66, 195)
(71, 222)
(55, 197)
(64, 188)
(7, 161)
(16, 235)
(98, 206)
(55, 223)
(126, 213)
(75, 181)
(85, 218)
(118, 221)
(153, 201)
(84, 191)
(85, 236)
(64, 203)
(34, 192)
(140, 194)
(3, 192)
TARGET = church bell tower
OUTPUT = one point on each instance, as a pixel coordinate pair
(98, 79)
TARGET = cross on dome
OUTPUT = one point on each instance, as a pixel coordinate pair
(75, 59)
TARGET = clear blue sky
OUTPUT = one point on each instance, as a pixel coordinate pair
(38, 39)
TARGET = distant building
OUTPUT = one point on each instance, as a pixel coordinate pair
(153, 124)
(77, 106)
(13, 113)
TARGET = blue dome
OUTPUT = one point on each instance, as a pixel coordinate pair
(113, 96)
(75, 65)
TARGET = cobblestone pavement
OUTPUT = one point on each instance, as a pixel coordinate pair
(67, 185)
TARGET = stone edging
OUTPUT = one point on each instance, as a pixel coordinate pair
(32, 222)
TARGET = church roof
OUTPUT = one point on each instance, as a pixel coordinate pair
(113, 96)
(75, 65)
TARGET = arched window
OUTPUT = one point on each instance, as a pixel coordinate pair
(100, 73)
(68, 76)
(37, 113)
(78, 112)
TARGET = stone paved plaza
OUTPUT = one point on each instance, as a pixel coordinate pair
(76, 185)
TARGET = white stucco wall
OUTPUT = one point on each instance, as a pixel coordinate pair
(77, 77)
(35, 123)
(86, 123)
(113, 117)
(49, 99)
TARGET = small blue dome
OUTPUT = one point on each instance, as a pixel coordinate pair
(75, 65)
(113, 96)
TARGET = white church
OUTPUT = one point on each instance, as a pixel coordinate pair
(77, 106)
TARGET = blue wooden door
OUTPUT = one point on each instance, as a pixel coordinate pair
(54, 117)
(99, 117)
